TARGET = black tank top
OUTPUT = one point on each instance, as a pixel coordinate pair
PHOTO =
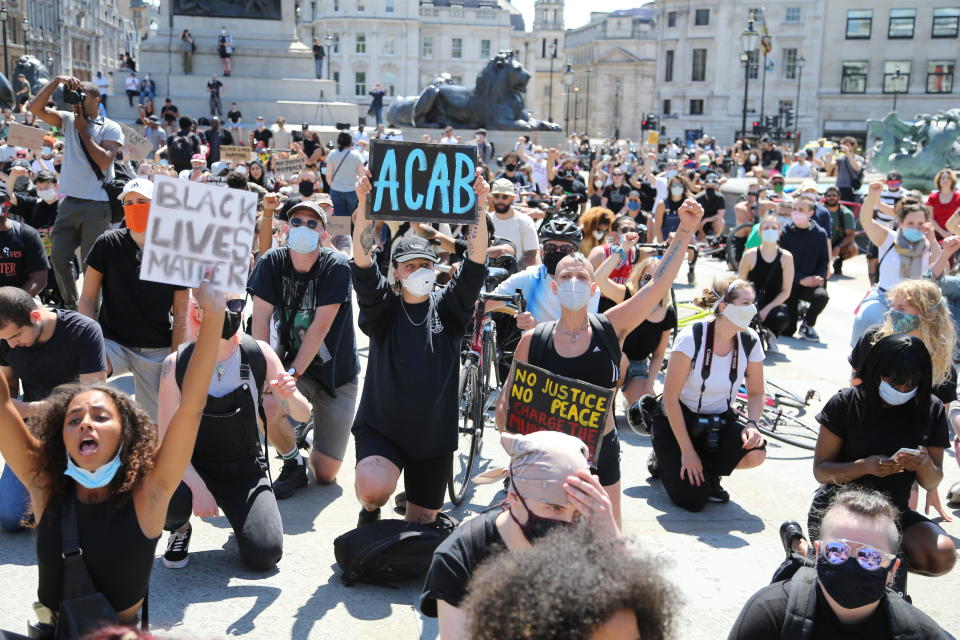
(117, 554)
(671, 215)
(644, 340)
(767, 277)
(595, 365)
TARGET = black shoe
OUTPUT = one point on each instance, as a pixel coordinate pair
(366, 517)
(838, 267)
(653, 467)
(177, 555)
(717, 493)
(293, 476)
(400, 503)
(790, 531)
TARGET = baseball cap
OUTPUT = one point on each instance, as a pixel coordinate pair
(21, 163)
(503, 186)
(20, 153)
(413, 247)
(894, 175)
(541, 461)
(483, 131)
(153, 119)
(312, 206)
(138, 185)
(322, 198)
(198, 157)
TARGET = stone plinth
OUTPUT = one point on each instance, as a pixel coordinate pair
(503, 141)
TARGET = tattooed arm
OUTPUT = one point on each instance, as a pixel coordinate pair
(629, 314)
(477, 233)
(363, 239)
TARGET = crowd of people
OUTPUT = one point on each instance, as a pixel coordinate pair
(594, 236)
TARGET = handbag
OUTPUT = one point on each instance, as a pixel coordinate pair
(112, 187)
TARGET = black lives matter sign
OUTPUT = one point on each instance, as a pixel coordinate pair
(193, 226)
(422, 182)
(543, 401)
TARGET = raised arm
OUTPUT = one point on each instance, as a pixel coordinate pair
(877, 233)
(38, 106)
(610, 289)
(362, 228)
(628, 315)
(477, 233)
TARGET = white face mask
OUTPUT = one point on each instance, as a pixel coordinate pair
(676, 190)
(420, 282)
(598, 234)
(574, 294)
(770, 235)
(740, 314)
(49, 195)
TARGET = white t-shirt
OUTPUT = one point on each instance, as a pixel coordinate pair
(542, 303)
(102, 83)
(520, 230)
(889, 269)
(132, 84)
(346, 175)
(538, 171)
(450, 140)
(798, 170)
(716, 394)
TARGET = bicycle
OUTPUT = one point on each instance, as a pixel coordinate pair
(693, 253)
(478, 388)
(775, 422)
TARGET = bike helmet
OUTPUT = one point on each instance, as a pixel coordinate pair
(561, 229)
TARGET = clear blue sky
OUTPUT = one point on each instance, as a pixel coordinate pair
(577, 12)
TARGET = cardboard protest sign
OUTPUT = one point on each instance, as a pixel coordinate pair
(543, 401)
(193, 225)
(21, 135)
(235, 153)
(135, 146)
(415, 181)
(288, 166)
(339, 225)
(653, 138)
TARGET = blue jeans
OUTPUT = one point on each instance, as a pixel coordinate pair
(344, 204)
(14, 501)
(378, 114)
(318, 67)
(870, 312)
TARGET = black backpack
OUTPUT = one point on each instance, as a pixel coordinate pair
(388, 551)
(180, 150)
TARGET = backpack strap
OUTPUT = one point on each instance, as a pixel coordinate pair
(697, 339)
(602, 326)
(184, 351)
(801, 605)
(538, 342)
(252, 356)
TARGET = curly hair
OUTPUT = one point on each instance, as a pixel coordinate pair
(724, 289)
(936, 328)
(138, 441)
(590, 221)
(565, 587)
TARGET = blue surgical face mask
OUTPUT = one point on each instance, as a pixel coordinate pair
(893, 397)
(94, 479)
(912, 235)
(671, 173)
(903, 322)
(303, 240)
(46, 151)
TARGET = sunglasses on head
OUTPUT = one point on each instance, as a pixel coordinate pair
(236, 305)
(309, 224)
(838, 551)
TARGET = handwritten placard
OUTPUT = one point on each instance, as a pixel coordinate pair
(21, 135)
(339, 225)
(235, 153)
(543, 401)
(416, 181)
(193, 225)
(288, 166)
(135, 145)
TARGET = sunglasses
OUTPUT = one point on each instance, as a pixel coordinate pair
(565, 249)
(300, 222)
(838, 551)
(236, 305)
(623, 230)
(893, 185)
(645, 278)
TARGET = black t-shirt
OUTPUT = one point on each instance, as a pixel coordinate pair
(846, 415)
(410, 390)
(21, 253)
(377, 98)
(134, 312)
(75, 348)
(772, 159)
(643, 341)
(35, 211)
(616, 196)
(763, 615)
(648, 196)
(234, 116)
(275, 281)
(169, 112)
(214, 86)
(711, 203)
(263, 135)
(516, 178)
(457, 558)
(947, 392)
(318, 52)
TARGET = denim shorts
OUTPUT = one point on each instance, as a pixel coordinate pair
(639, 369)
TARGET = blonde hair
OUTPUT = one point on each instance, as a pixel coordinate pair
(637, 273)
(935, 330)
(725, 289)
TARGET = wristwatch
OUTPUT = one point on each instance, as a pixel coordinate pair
(293, 372)
(753, 421)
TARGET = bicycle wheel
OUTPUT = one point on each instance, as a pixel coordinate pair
(785, 397)
(735, 245)
(468, 423)
(779, 426)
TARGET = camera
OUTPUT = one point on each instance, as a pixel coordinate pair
(74, 97)
(708, 428)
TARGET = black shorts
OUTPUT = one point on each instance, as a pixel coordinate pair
(608, 462)
(425, 481)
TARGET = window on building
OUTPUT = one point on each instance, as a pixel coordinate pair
(946, 22)
(361, 5)
(389, 82)
(699, 71)
(485, 48)
(456, 48)
(361, 43)
(546, 90)
(696, 107)
(896, 76)
(940, 76)
(701, 17)
(336, 5)
(671, 18)
(391, 6)
(389, 46)
(336, 43)
(754, 62)
(790, 64)
(791, 15)
(667, 107)
(901, 23)
(668, 66)
(859, 23)
(854, 78)
(426, 47)
(360, 83)
(336, 80)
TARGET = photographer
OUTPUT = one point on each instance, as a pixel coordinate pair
(89, 141)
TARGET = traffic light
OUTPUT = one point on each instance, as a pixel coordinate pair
(756, 126)
(645, 124)
(788, 119)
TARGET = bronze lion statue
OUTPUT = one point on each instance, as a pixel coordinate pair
(496, 102)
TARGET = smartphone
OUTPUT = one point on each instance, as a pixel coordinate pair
(912, 452)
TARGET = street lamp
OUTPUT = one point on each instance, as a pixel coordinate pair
(896, 88)
(576, 107)
(748, 42)
(796, 109)
(329, 40)
(616, 109)
(586, 124)
(568, 82)
(4, 16)
(553, 55)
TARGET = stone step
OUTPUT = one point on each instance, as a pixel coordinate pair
(295, 111)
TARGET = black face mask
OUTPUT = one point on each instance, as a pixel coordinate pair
(551, 260)
(510, 167)
(231, 323)
(536, 526)
(306, 189)
(568, 173)
(849, 584)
